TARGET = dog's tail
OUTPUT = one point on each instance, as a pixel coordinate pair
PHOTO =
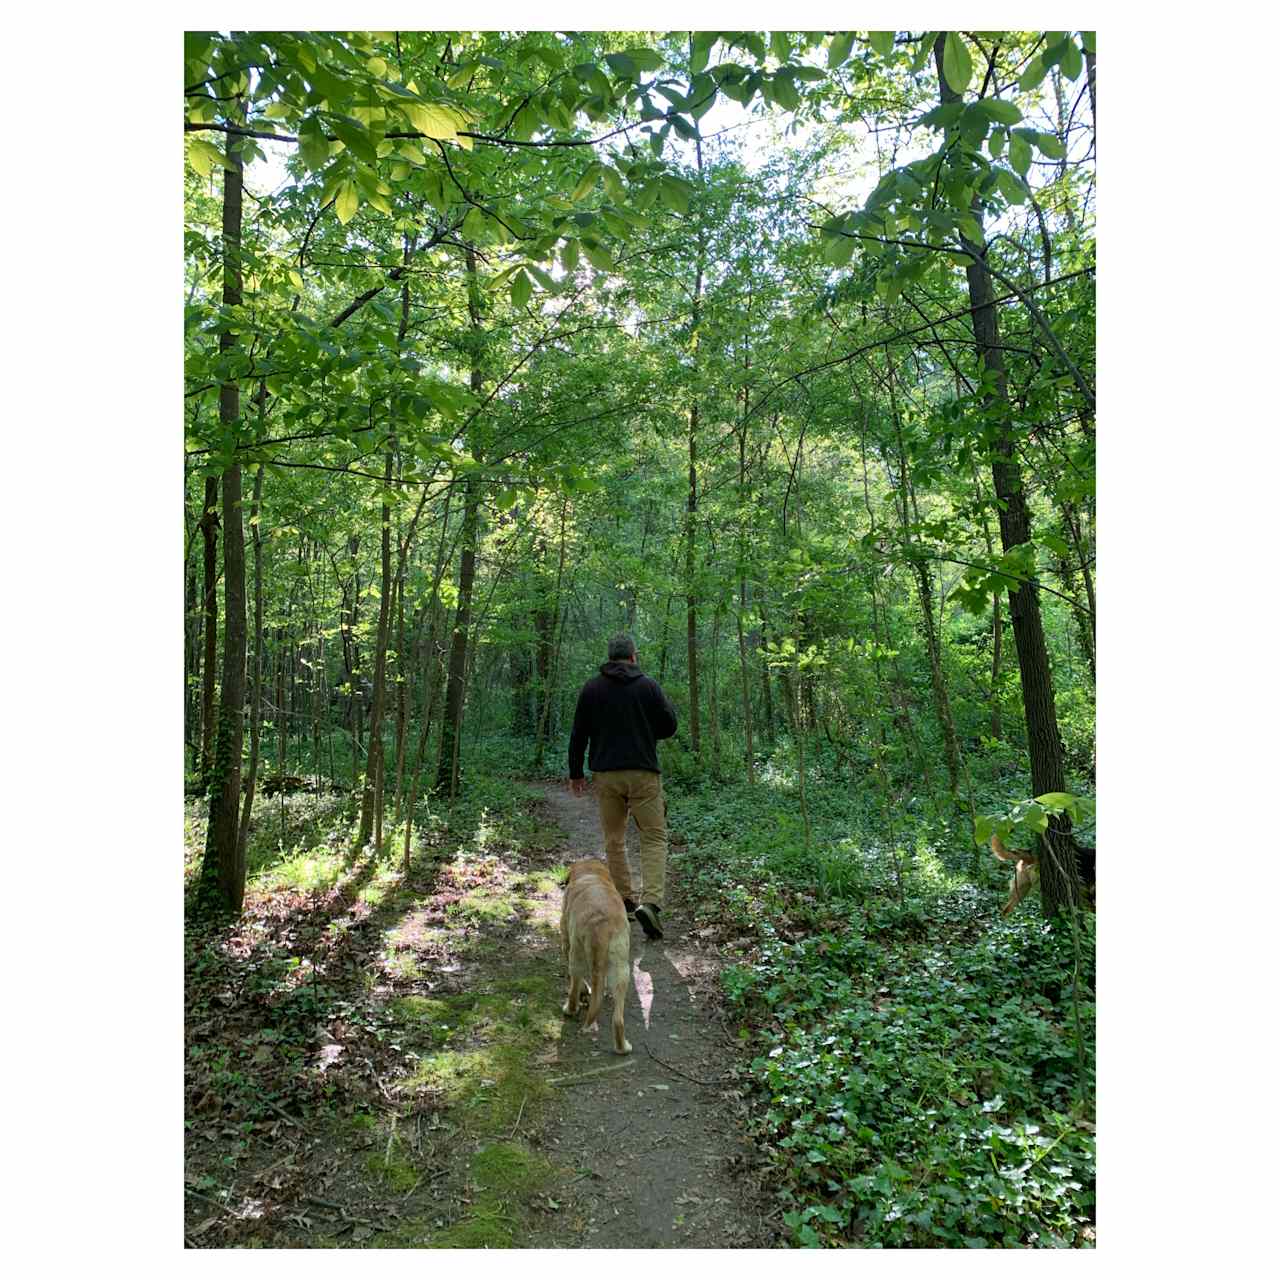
(1010, 855)
(599, 966)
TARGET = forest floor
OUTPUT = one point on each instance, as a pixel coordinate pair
(379, 1060)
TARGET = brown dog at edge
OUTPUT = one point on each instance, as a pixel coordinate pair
(1026, 874)
(595, 940)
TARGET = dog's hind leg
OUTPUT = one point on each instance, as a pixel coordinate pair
(619, 992)
(592, 1014)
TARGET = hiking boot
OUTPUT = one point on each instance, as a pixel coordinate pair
(631, 908)
(647, 914)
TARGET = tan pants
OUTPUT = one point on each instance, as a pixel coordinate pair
(638, 791)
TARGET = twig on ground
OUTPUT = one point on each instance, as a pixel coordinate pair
(191, 1191)
(326, 1204)
(587, 1075)
(426, 1177)
(710, 1083)
(282, 1113)
(519, 1116)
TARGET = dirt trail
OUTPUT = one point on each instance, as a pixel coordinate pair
(662, 1150)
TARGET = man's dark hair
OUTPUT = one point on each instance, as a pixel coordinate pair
(621, 646)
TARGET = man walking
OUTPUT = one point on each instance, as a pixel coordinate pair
(623, 713)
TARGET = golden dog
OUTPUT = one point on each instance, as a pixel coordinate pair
(596, 942)
(1026, 874)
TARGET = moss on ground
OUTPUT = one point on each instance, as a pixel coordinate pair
(392, 1165)
(506, 1177)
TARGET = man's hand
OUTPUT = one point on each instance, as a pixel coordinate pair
(578, 786)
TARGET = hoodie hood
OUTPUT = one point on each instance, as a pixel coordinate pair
(623, 671)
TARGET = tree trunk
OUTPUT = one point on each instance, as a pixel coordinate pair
(714, 707)
(691, 601)
(924, 589)
(371, 798)
(431, 679)
(255, 712)
(222, 873)
(191, 660)
(1059, 880)
(209, 534)
(743, 665)
(770, 727)
(552, 650)
(451, 729)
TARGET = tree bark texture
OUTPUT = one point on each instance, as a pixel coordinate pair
(223, 869)
(209, 536)
(451, 729)
(1059, 881)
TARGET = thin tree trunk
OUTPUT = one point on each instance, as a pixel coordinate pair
(191, 660)
(924, 588)
(209, 534)
(553, 655)
(451, 730)
(997, 625)
(1059, 879)
(743, 665)
(715, 691)
(255, 712)
(770, 727)
(431, 681)
(371, 798)
(223, 872)
(402, 698)
(691, 618)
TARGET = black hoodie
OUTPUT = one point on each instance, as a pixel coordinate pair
(623, 713)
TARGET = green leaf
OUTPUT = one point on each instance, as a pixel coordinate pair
(674, 194)
(698, 54)
(923, 51)
(1019, 154)
(588, 181)
(622, 66)
(1012, 190)
(995, 144)
(356, 138)
(203, 155)
(837, 249)
(295, 279)
(1035, 72)
(1049, 144)
(521, 289)
(1057, 800)
(542, 278)
(683, 127)
(1071, 63)
(701, 96)
(597, 255)
(942, 116)
(957, 66)
(1090, 41)
(999, 111)
(569, 255)
(436, 120)
(645, 59)
(881, 42)
(346, 202)
(784, 92)
(839, 49)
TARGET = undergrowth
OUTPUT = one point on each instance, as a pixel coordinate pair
(912, 1055)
